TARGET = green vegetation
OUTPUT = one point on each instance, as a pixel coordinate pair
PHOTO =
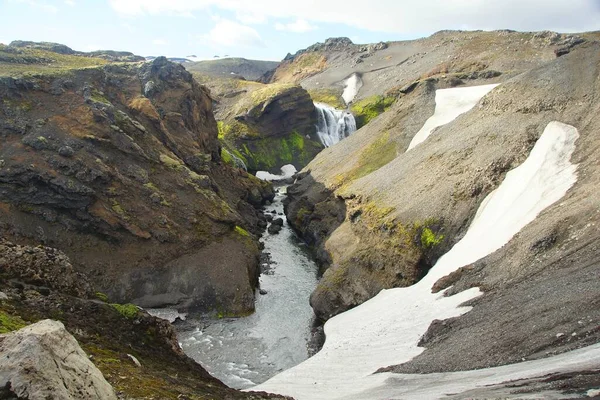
(429, 239)
(171, 162)
(379, 153)
(26, 61)
(116, 207)
(151, 186)
(271, 152)
(127, 310)
(9, 323)
(241, 231)
(367, 109)
(101, 296)
(328, 96)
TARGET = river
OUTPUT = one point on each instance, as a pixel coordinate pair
(243, 352)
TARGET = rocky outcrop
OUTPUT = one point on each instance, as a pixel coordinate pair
(271, 126)
(116, 338)
(43, 361)
(119, 166)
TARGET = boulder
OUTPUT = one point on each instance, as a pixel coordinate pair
(43, 361)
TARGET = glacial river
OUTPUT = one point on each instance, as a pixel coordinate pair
(243, 352)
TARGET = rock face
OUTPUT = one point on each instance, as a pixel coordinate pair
(271, 126)
(43, 361)
(380, 216)
(113, 336)
(119, 166)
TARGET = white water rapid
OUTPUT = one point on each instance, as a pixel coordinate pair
(333, 125)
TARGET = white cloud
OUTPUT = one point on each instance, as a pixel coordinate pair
(160, 42)
(299, 26)
(251, 18)
(230, 33)
(402, 17)
(38, 5)
(70, 2)
(128, 27)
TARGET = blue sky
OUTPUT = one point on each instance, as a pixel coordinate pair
(269, 29)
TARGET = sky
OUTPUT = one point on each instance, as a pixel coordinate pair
(269, 29)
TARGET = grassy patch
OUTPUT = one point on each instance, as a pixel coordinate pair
(101, 296)
(9, 323)
(127, 310)
(25, 61)
(367, 109)
(376, 155)
(241, 231)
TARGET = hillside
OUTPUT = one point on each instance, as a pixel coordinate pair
(383, 206)
(250, 70)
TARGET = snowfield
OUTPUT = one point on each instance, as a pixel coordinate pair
(385, 330)
(449, 104)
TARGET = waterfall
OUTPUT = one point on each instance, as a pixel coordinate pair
(237, 162)
(333, 125)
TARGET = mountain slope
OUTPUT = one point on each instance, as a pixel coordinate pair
(247, 69)
(381, 217)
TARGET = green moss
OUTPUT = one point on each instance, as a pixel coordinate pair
(171, 162)
(101, 296)
(379, 153)
(367, 109)
(226, 156)
(98, 97)
(241, 231)
(272, 152)
(430, 239)
(327, 96)
(151, 186)
(116, 207)
(127, 310)
(9, 323)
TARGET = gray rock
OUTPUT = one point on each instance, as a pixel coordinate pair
(43, 361)
(66, 151)
(278, 221)
(274, 229)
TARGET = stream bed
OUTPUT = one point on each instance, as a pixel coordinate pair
(243, 352)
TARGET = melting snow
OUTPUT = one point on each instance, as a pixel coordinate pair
(287, 171)
(351, 88)
(449, 104)
(386, 329)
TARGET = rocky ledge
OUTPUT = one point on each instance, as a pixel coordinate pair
(119, 166)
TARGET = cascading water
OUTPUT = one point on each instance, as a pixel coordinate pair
(333, 125)
(238, 162)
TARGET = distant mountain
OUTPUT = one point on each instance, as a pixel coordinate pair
(110, 55)
(249, 69)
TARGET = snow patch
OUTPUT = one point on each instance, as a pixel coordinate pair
(351, 88)
(449, 104)
(386, 329)
(287, 171)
